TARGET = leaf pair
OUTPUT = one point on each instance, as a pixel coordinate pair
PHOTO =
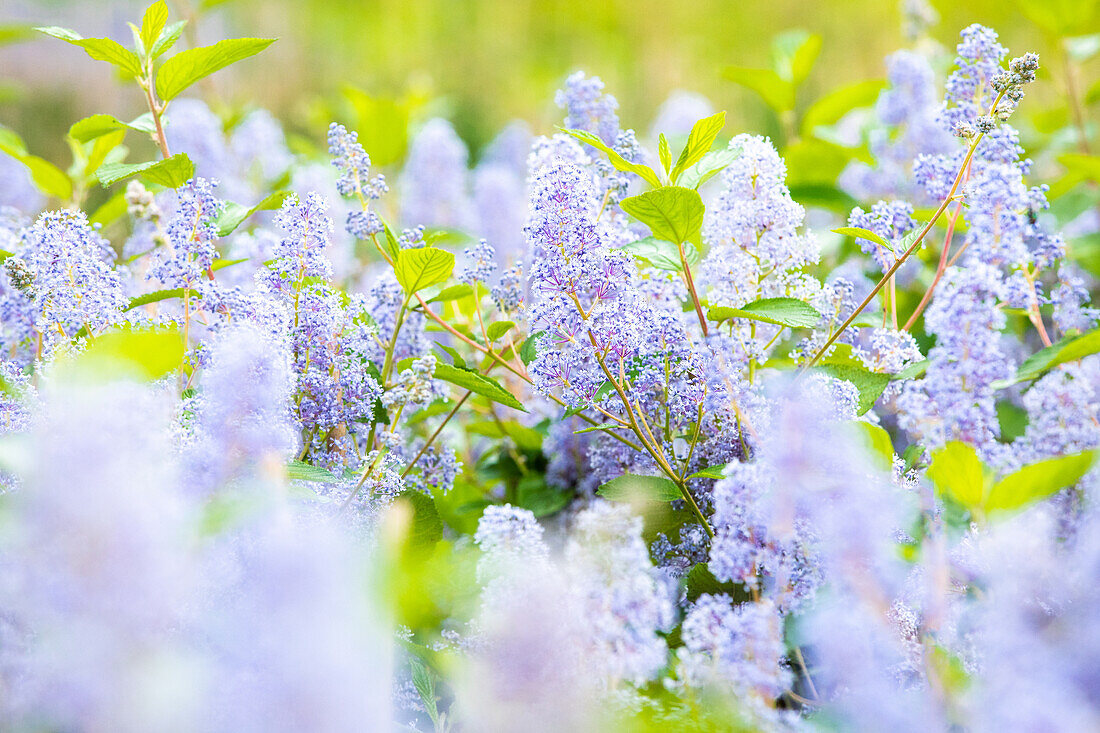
(793, 56)
(958, 472)
(695, 164)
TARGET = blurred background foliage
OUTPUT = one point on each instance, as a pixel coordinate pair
(484, 62)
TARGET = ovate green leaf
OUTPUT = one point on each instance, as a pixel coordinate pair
(790, 312)
(187, 67)
(171, 172)
(702, 136)
(645, 172)
(634, 488)
(477, 383)
(100, 49)
(498, 329)
(421, 268)
(673, 213)
(156, 15)
(1038, 481)
(861, 233)
(957, 471)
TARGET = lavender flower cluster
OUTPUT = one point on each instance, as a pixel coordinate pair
(261, 471)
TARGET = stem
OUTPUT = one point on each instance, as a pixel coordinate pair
(155, 109)
(940, 268)
(387, 364)
(691, 289)
(894, 301)
(661, 463)
(805, 672)
(912, 248)
(430, 440)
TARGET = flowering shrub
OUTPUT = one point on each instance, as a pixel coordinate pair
(597, 435)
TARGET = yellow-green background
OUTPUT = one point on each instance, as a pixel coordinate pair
(486, 61)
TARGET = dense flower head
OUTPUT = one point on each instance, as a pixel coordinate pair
(969, 89)
(349, 157)
(245, 420)
(891, 220)
(736, 646)
(302, 252)
(623, 597)
(480, 263)
(434, 189)
(908, 109)
(588, 108)
(752, 228)
(190, 250)
(955, 400)
(69, 276)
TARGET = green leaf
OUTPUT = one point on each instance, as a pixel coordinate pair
(456, 358)
(702, 136)
(776, 92)
(912, 371)
(861, 233)
(156, 15)
(1012, 420)
(90, 128)
(709, 166)
(47, 177)
(529, 350)
(147, 353)
(633, 488)
(644, 171)
(477, 383)
(421, 268)
(663, 152)
(790, 312)
(424, 683)
(222, 263)
(100, 49)
(1070, 348)
(187, 67)
(957, 472)
(167, 39)
(11, 143)
(535, 494)
(154, 297)
(701, 581)
(672, 213)
(382, 123)
(715, 472)
(171, 172)
(498, 329)
(299, 471)
(233, 215)
(101, 148)
(111, 211)
(661, 254)
(829, 109)
(1038, 481)
(14, 33)
(869, 384)
(427, 527)
(391, 247)
(794, 53)
(879, 444)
